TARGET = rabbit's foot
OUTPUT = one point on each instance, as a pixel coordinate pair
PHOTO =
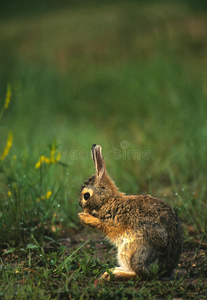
(89, 220)
(118, 273)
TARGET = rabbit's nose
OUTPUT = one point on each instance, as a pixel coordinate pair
(80, 203)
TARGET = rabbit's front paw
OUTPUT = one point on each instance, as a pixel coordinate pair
(84, 218)
(88, 220)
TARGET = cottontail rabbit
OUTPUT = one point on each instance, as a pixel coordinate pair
(145, 229)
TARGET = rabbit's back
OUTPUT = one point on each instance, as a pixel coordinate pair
(135, 211)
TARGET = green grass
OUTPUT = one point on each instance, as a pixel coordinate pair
(98, 73)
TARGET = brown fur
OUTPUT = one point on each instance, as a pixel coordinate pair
(145, 229)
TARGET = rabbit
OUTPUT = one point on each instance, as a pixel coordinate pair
(145, 230)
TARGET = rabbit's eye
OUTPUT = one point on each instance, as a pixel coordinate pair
(86, 196)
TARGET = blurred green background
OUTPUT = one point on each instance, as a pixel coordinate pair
(104, 72)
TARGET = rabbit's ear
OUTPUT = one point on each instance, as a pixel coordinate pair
(98, 159)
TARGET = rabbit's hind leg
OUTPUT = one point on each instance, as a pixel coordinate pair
(125, 271)
(118, 273)
(143, 260)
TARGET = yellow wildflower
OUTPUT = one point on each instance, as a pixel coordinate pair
(47, 196)
(55, 155)
(9, 193)
(8, 97)
(8, 146)
(41, 160)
